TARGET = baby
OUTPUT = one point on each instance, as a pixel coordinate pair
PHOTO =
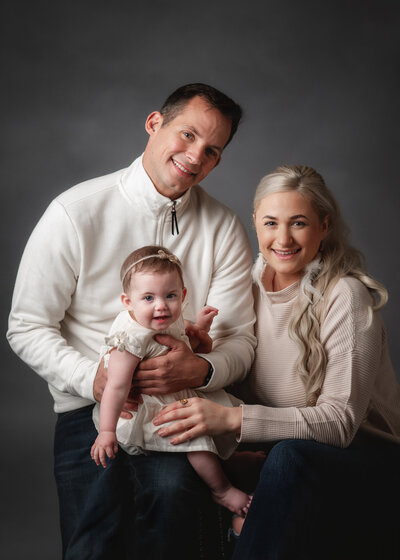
(153, 295)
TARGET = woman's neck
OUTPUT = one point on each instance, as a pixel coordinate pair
(273, 282)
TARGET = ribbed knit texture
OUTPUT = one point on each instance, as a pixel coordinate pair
(360, 389)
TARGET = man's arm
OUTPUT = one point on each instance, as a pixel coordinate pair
(46, 281)
(231, 292)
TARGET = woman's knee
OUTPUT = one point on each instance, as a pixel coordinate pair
(290, 452)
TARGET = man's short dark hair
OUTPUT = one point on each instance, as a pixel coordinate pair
(176, 102)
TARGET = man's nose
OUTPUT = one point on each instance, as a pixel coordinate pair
(194, 153)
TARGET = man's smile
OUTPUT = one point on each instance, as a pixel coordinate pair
(182, 167)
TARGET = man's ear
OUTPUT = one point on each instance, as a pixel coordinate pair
(153, 122)
(184, 292)
(126, 301)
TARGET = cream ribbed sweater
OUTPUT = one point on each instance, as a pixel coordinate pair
(360, 388)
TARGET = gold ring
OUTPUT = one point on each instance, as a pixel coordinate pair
(184, 402)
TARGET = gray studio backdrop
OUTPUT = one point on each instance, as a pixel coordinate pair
(319, 85)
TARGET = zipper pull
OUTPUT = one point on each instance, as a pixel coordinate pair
(174, 219)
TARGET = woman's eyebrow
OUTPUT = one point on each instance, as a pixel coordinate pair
(298, 216)
(295, 217)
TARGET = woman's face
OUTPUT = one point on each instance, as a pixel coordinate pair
(289, 234)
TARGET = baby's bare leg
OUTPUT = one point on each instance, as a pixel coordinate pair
(208, 467)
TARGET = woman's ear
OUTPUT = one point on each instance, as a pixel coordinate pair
(325, 226)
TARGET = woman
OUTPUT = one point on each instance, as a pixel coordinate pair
(321, 385)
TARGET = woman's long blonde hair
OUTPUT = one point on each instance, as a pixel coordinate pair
(337, 258)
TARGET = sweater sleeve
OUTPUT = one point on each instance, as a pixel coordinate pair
(353, 342)
(231, 291)
(46, 281)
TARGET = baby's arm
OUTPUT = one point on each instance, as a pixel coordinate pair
(197, 333)
(120, 370)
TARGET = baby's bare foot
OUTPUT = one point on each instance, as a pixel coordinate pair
(233, 499)
(237, 524)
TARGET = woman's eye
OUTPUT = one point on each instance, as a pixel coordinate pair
(270, 224)
(299, 224)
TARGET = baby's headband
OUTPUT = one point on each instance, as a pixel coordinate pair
(159, 255)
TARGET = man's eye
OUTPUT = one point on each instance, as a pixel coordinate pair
(211, 152)
(188, 134)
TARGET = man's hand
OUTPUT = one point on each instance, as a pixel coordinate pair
(199, 339)
(178, 369)
(99, 384)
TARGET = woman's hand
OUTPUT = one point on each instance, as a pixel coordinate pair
(196, 417)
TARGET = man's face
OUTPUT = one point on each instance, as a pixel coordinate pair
(183, 152)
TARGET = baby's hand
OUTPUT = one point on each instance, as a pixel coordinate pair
(205, 317)
(106, 444)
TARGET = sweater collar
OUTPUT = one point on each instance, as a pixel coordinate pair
(283, 296)
(139, 189)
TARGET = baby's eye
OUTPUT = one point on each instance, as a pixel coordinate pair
(148, 298)
(171, 296)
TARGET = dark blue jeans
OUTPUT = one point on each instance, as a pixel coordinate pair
(315, 501)
(152, 507)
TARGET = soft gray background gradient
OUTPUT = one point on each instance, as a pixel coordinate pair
(319, 82)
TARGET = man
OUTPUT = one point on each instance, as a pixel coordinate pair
(67, 294)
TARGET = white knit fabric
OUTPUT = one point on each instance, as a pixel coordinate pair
(67, 292)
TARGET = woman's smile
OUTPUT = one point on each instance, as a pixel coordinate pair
(289, 234)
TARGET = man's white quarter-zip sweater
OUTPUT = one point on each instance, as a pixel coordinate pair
(68, 289)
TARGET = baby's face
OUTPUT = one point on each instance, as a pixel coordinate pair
(155, 298)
